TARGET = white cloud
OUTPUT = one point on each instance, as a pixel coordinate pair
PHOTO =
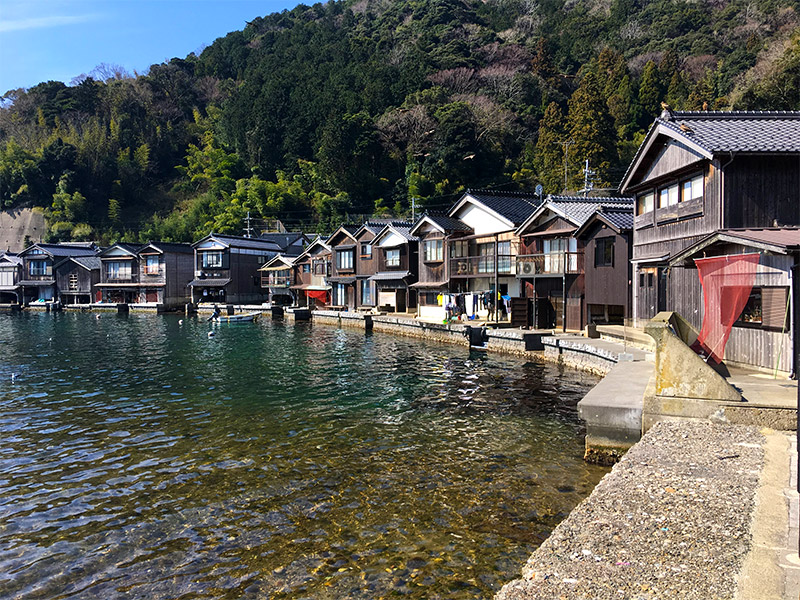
(44, 22)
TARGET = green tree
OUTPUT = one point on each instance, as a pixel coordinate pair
(650, 94)
(549, 157)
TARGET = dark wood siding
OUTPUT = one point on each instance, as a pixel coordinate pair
(762, 191)
(607, 284)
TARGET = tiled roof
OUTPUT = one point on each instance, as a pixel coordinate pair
(450, 223)
(514, 206)
(67, 250)
(738, 131)
(132, 248)
(284, 240)
(11, 258)
(578, 209)
(621, 219)
(89, 262)
(243, 242)
(171, 247)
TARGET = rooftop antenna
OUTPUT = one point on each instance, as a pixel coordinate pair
(539, 190)
(588, 179)
(248, 231)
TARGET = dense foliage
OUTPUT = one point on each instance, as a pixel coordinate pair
(321, 113)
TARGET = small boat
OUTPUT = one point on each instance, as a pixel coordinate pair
(240, 318)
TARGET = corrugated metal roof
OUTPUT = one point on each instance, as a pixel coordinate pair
(209, 282)
(90, 262)
(738, 131)
(390, 275)
(788, 237)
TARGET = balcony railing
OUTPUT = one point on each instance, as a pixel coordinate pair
(481, 266)
(272, 281)
(553, 263)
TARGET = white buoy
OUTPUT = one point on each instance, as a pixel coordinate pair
(180, 321)
(211, 334)
(97, 317)
(13, 377)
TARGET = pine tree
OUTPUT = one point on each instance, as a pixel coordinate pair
(591, 127)
(549, 158)
(650, 93)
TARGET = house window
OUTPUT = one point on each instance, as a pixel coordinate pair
(668, 196)
(366, 294)
(73, 282)
(434, 250)
(37, 268)
(504, 257)
(212, 260)
(306, 268)
(151, 265)
(486, 258)
(393, 258)
(765, 308)
(692, 189)
(344, 260)
(604, 252)
(339, 294)
(118, 270)
(644, 203)
(459, 249)
(366, 251)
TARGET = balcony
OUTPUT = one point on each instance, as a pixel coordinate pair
(481, 266)
(553, 263)
(276, 282)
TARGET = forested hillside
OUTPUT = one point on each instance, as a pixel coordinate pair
(321, 113)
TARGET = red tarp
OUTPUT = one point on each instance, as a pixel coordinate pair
(318, 295)
(727, 282)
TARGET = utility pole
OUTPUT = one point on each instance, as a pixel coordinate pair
(566, 144)
(413, 210)
(248, 231)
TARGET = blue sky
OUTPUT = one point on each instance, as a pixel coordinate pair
(42, 40)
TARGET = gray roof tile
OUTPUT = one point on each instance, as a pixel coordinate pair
(514, 206)
(739, 131)
(579, 208)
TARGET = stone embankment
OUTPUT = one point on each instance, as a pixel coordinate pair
(673, 519)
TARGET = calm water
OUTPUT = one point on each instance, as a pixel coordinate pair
(141, 459)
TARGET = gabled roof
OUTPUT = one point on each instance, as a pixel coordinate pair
(374, 226)
(576, 209)
(278, 262)
(710, 133)
(131, 249)
(617, 219)
(512, 207)
(443, 223)
(235, 241)
(317, 243)
(778, 240)
(347, 230)
(285, 240)
(399, 228)
(10, 258)
(59, 250)
(168, 247)
(90, 263)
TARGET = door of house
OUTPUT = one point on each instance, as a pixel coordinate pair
(151, 296)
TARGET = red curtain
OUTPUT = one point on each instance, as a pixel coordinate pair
(318, 295)
(727, 282)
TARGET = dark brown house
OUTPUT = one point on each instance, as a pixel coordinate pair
(699, 174)
(38, 283)
(550, 265)
(398, 264)
(119, 274)
(310, 274)
(76, 278)
(226, 269)
(606, 238)
(344, 267)
(165, 270)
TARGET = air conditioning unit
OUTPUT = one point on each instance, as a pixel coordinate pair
(527, 268)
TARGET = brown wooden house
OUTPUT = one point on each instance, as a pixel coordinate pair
(550, 265)
(226, 269)
(119, 274)
(606, 238)
(699, 174)
(38, 283)
(344, 267)
(398, 263)
(76, 278)
(277, 279)
(165, 270)
(310, 273)
(433, 284)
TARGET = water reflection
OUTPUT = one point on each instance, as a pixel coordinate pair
(141, 459)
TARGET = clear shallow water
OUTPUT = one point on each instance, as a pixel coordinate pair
(140, 459)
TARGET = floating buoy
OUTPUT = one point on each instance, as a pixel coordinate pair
(180, 321)
(97, 317)
(13, 377)
(211, 334)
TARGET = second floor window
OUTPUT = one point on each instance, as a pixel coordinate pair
(366, 250)
(459, 249)
(692, 189)
(604, 252)
(212, 260)
(344, 260)
(393, 258)
(151, 265)
(644, 203)
(486, 260)
(307, 268)
(668, 196)
(434, 250)
(37, 268)
(118, 270)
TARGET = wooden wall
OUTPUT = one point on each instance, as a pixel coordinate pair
(607, 285)
(762, 190)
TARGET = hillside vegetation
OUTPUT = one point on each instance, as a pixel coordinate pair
(321, 113)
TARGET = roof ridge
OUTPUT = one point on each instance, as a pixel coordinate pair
(733, 114)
